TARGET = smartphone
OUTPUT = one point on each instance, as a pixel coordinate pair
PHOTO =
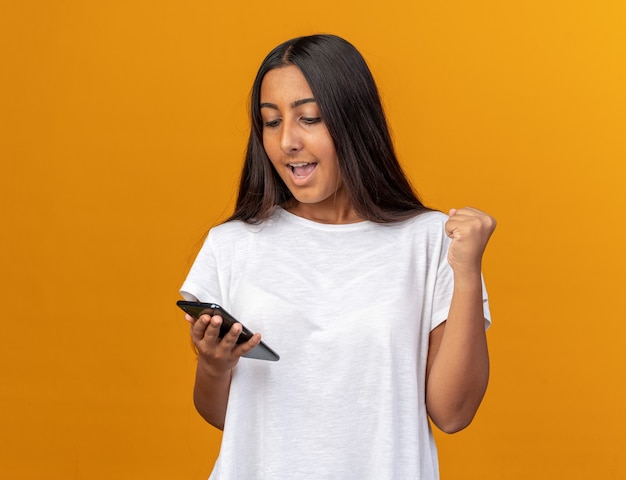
(196, 309)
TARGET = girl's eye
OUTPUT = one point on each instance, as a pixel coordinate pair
(272, 123)
(311, 120)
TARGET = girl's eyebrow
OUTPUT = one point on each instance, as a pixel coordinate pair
(295, 104)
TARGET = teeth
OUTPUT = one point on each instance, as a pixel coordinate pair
(293, 165)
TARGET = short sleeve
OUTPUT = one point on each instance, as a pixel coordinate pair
(444, 286)
(202, 282)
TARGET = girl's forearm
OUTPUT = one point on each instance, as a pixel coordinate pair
(211, 395)
(459, 368)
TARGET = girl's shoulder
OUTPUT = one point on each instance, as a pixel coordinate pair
(431, 221)
(231, 232)
(430, 217)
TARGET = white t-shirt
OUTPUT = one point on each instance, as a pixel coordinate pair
(349, 309)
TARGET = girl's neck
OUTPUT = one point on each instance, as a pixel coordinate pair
(321, 213)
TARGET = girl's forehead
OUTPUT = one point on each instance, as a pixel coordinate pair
(284, 82)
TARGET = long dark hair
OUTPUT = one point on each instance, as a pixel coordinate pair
(350, 106)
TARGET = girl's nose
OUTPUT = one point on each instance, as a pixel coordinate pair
(290, 140)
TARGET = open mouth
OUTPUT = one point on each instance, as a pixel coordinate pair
(302, 170)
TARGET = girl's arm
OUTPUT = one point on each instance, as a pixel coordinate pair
(457, 370)
(216, 360)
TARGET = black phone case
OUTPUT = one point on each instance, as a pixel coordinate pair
(197, 309)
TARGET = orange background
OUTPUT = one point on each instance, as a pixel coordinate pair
(123, 125)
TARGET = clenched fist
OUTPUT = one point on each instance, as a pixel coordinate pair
(470, 230)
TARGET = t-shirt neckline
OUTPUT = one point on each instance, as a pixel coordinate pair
(344, 227)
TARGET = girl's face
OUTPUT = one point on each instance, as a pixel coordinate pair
(300, 148)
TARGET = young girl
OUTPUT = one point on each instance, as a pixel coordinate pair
(374, 302)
